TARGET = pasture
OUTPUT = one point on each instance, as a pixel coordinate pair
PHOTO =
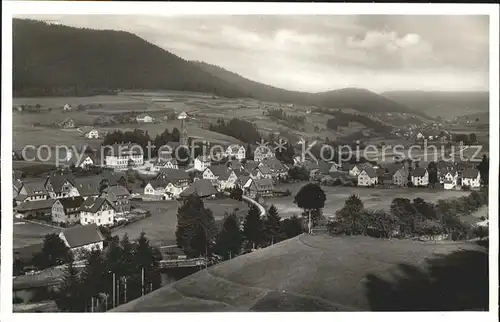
(321, 273)
(26, 233)
(373, 198)
(161, 225)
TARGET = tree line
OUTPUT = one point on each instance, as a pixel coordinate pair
(344, 119)
(240, 129)
(293, 120)
(198, 234)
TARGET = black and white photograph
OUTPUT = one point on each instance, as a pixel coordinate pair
(223, 161)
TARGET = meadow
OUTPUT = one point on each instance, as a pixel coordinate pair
(373, 198)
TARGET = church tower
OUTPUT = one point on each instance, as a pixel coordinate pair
(183, 140)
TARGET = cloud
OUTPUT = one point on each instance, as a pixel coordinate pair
(316, 53)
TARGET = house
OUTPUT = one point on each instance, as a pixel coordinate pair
(119, 197)
(400, 177)
(420, 177)
(244, 182)
(449, 178)
(471, 177)
(35, 208)
(221, 176)
(83, 162)
(250, 166)
(312, 167)
(164, 164)
(261, 172)
(325, 168)
(81, 239)
(202, 188)
(178, 177)
(144, 118)
(66, 108)
(121, 156)
(61, 186)
(110, 178)
(236, 151)
(67, 210)
(97, 210)
(92, 134)
(202, 162)
(277, 168)
(67, 123)
(263, 152)
(260, 187)
(368, 177)
(32, 191)
(165, 189)
(88, 186)
(16, 187)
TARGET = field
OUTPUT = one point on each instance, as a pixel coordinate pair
(317, 273)
(373, 198)
(160, 227)
(26, 233)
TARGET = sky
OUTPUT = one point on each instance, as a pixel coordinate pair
(320, 53)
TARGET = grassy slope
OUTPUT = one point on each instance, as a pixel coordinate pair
(303, 273)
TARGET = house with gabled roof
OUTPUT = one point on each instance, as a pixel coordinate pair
(221, 176)
(35, 208)
(236, 151)
(92, 134)
(203, 188)
(67, 210)
(177, 177)
(144, 118)
(120, 156)
(261, 187)
(420, 177)
(278, 169)
(400, 177)
(471, 177)
(367, 177)
(81, 239)
(97, 210)
(263, 152)
(32, 190)
(202, 162)
(449, 178)
(61, 185)
(88, 186)
(119, 197)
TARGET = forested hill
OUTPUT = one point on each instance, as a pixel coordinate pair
(56, 60)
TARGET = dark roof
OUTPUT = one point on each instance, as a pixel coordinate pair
(35, 205)
(263, 184)
(112, 177)
(88, 186)
(264, 169)
(324, 167)
(93, 204)
(35, 185)
(392, 168)
(251, 165)
(371, 172)
(220, 171)
(71, 202)
(117, 191)
(470, 173)
(57, 181)
(202, 188)
(274, 164)
(243, 179)
(81, 235)
(347, 166)
(174, 174)
(418, 172)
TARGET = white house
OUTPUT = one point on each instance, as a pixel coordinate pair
(144, 118)
(237, 151)
(367, 177)
(165, 189)
(92, 134)
(202, 162)
(61, 186)
(96, 210)
(221, 176)
(449, 179)
(262, 153)
(121, 155)
(420, 177)
(471, 177)
(80, 239)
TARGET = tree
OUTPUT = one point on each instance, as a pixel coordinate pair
(69, 295)
(484, 169)
(472, 138)
(196, 228)
(249, 153)
(272, 226)
(54, 252)
(310, 197)
(433, 173)
(351, 219)
(405, 212)
(93, 275)
(236, 194)
(253, 227)
(147, 257)
(292, 227)
(176, 135)
(299, 173)
(230, 238)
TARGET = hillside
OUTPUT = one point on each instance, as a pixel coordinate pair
(321, 273)
(56, 60)
(444, 104)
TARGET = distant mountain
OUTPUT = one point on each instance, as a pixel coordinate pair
(56, 60)
(444, 104)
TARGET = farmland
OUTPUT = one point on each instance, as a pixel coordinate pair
(26, 233)
(161, 225)
(373, 198)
